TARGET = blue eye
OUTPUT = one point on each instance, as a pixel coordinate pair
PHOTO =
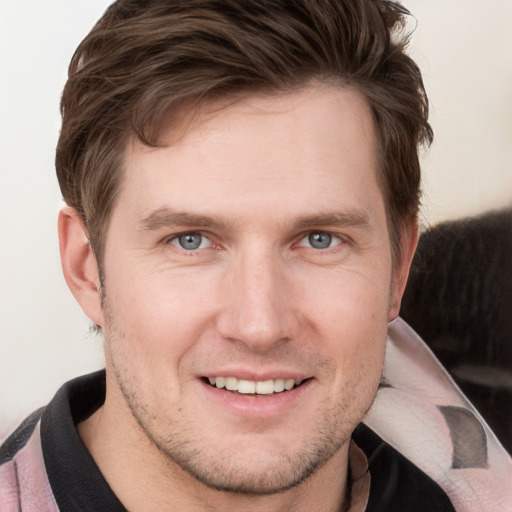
(320, 240)
(190, 241)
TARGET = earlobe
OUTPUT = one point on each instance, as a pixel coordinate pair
(79, 264)
(408, 243)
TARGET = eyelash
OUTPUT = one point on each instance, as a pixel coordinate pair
(303, 241)
(333, 237)
(176, 237)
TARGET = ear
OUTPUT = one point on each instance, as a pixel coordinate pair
(79, 264)
(408, 242)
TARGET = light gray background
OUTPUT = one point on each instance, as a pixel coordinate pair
(464, 49)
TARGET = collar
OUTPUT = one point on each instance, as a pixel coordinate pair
(395, 484)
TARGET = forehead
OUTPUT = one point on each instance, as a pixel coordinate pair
(317, 144)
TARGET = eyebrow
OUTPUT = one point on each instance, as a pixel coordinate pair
(349, 218)
(166, 217)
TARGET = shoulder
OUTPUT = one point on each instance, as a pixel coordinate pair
(15, 441)
(23, 479)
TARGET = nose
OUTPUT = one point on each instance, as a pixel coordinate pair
(257, 309)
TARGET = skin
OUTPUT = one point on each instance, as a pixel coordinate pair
(256, 300)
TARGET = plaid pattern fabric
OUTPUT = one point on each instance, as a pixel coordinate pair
(24, 484)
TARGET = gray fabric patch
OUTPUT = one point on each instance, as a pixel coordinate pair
(468, 437)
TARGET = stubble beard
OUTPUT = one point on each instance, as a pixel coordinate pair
(234, 473)
(182, 445)
(230, 474)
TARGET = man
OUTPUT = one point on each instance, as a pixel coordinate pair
(242, 187)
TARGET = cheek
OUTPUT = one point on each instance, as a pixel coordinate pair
(159, 318)
(351, 318)
(357, 346)
(355, 302)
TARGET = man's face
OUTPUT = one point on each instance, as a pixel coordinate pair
(252, 253)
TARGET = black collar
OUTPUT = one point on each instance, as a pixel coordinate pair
(75, 479)
(396, 484)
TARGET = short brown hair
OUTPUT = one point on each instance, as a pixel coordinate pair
(145, 59)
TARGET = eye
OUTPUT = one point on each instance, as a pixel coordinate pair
(320, 240)
(191, 241)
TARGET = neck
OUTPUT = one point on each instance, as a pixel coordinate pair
(143, 478)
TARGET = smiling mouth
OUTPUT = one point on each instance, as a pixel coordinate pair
(251, 387)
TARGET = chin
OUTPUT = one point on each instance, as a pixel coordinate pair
(261, 473)
(267, 466)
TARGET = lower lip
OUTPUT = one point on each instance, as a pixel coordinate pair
(257, 406)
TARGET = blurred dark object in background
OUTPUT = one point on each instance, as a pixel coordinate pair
(459, 300)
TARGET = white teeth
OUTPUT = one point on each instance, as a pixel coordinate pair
(265, 387)
(231, 383)
(247, 387)
(250, 387)
(278, 385)
(288, 384)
